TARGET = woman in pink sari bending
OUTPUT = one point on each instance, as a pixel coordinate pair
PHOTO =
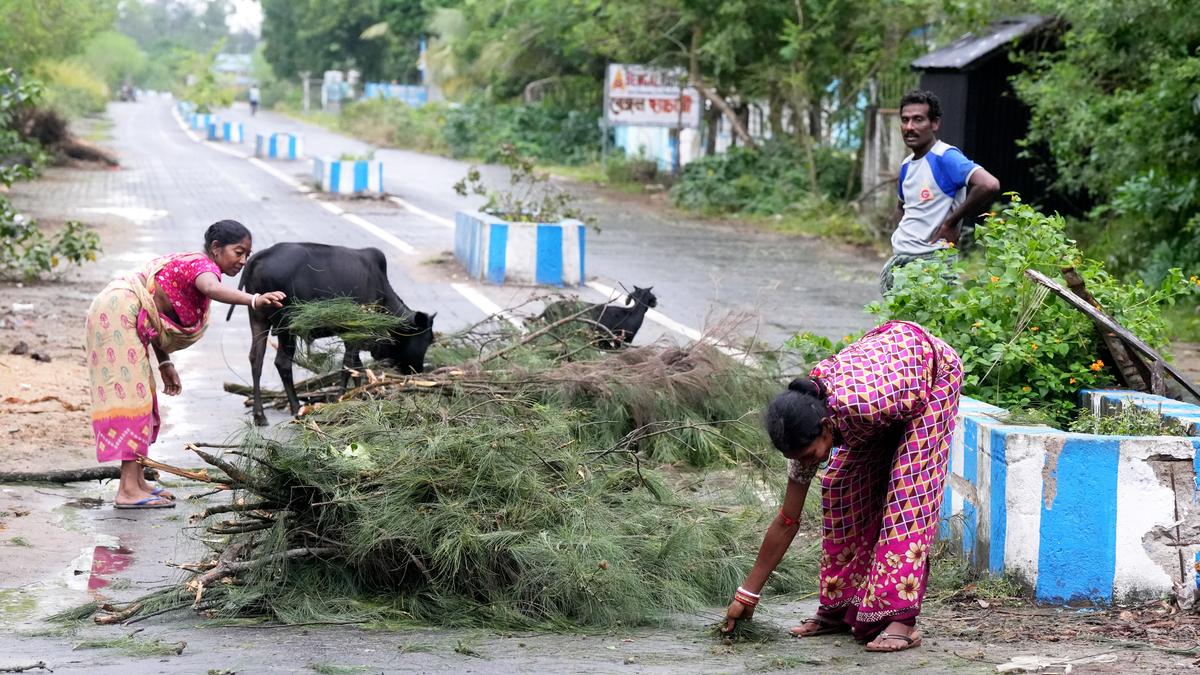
(163, 308)
(886, 407)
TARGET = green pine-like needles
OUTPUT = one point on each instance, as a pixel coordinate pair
(551, 485)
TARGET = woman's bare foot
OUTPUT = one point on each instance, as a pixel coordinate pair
(895, 638)
(815, 626)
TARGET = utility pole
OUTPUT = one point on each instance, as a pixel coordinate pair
(304, 84)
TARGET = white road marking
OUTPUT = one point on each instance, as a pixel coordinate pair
(422, 212)
(671, 324)
(486, 305)
(401, 245)
(288, 180)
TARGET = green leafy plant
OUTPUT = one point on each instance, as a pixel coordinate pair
(1020, 346)
(1129, 421)
(529, 197)
(26, 251)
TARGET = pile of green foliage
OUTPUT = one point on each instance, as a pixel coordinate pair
(767, 181)
(520, 487)
(1020, 347)
(26, 250)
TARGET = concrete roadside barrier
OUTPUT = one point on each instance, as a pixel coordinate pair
(278, 145)
(1077, 517)
(229, 132)
(502, 252)
(348, 176)
(201, 121)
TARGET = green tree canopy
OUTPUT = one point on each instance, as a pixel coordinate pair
(31, 30)
(319, 35)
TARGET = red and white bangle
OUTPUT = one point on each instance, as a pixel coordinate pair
(746, 597)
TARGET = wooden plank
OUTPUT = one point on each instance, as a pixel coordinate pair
(1109, 323)
(1135, 374)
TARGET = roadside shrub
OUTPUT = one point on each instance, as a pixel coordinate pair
(544, 133)
(72, 88)
(1020, 347)
(396, 124)
(27, 252)
(768, 180)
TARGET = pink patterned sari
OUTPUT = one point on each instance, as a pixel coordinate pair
(893, 396)
(121, 324)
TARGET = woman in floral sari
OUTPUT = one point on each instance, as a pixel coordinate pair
(888, 403)
(163, 308)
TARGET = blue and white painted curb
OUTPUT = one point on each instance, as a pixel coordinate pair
(348, 177)
(278, 146)
(201, 121)
(500, 252)
(230, 132)
(1076, 517)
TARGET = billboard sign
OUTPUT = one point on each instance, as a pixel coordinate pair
(645, 96)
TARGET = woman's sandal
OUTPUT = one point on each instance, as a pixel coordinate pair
(147, 503)
(825, 628)
(161, 492)
(911, 641)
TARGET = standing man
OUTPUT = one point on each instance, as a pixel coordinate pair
(254, 96)
(938, 185)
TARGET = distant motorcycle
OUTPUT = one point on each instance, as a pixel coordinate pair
(127, 93)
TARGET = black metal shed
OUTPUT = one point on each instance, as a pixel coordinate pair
(981, 113)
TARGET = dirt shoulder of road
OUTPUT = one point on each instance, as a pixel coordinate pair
(45, 421)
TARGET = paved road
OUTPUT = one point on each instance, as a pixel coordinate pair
(171, 187)
(699, 270)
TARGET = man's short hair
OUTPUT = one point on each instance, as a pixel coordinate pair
(929, 98)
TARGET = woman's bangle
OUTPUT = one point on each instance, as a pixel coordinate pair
(746, 597)
(254, 301)
(165, 363)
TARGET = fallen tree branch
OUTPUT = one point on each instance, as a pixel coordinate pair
(70, 475)
(535, 335)
(201, 475)
(40, 665)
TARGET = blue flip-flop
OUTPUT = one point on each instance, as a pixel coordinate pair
(158, 492)
(146, 504)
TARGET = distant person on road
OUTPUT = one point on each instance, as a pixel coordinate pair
(885, 406)
(163, 308)
(938, 187)
(254, 96)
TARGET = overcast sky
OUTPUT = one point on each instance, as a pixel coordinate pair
(246, 15)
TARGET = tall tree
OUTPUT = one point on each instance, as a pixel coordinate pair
(35, 29)
(378, 37)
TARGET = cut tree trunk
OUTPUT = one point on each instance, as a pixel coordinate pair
(110, 472)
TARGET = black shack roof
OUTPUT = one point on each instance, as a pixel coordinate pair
(972, 50)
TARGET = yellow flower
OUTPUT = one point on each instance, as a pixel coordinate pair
(1034, 346)
(977, 324)
(834, 587)
(909, 587)
(846, 338)
(915, 554)
(1097, 365)
(995, 279)
(1026, 389)
(1071, 381)
(1035, 329)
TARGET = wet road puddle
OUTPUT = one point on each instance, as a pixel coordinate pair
(107, 561)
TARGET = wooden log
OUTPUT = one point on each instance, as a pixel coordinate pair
(1133, 372)
(107, 472)
(1120, 331)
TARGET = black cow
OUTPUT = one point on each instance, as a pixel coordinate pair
(308, 272)
(620, 321)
